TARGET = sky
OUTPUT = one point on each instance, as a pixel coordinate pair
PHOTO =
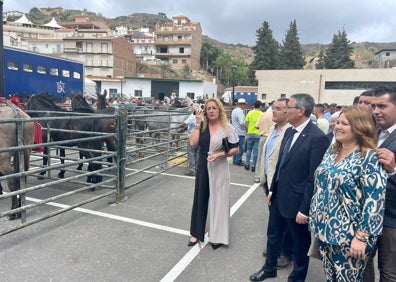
(236, 21)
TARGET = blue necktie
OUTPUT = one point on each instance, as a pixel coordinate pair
(286, 149)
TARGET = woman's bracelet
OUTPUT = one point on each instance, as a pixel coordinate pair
(363, 239)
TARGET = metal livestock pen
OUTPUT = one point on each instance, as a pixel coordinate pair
(135, 162)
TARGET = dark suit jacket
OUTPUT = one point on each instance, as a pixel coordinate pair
(390, 196)
(294, 187)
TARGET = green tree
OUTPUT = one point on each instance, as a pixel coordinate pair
(241, 74)
(338, 54)
(209, 54)
(266, 49)
(36, 16)
(291, 55)
(223, 68)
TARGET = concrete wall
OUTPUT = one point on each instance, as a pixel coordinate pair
(273, 83)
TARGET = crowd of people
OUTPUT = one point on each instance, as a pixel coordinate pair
(327, 172)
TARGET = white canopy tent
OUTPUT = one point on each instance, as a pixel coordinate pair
(90, 89)
(53, 24)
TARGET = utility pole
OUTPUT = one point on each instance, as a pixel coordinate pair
(233, 67)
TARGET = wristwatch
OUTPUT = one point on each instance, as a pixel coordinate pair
(393, 172)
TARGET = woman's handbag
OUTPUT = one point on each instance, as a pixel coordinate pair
(314, 248)
(226, 145)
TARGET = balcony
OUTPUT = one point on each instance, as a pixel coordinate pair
(72, 50)
(178, 55)
(173, 42)
(82, 51)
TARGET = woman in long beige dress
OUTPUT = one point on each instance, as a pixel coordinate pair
(217, 140)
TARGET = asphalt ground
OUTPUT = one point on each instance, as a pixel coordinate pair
(143, 238)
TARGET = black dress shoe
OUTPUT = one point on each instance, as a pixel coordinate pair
(247, 167)
(253, 168)
(262, 275)
(216, 246)
(191, 243)
(283, 262)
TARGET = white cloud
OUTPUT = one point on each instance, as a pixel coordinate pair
(236, 21)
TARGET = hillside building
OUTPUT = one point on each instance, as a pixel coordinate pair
(102, 53)
(142, 42)
(385, 58)
(83, 40)
(179, 42)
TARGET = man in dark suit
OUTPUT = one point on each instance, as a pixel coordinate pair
(383, 106)
(291, 190)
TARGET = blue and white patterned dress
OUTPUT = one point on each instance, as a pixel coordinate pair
(348, 196)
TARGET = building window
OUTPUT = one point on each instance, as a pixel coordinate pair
(179, 37)
(89, 48)
(138, 93)
(387, 54)
(12, 65)
(357, 85)
(104, 48)
(283, 96)
(181, 50)
(184, 61)
(41, 69)
(54, 71)
(191, 95)
(28, 67)
(79, 46)
(264, 96)
(76, 75)
(65, 73)
(174, 61)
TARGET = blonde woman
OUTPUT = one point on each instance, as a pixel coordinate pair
(217, 140)
(347, 206)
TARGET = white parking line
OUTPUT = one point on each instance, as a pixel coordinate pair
(188, 258)
(192, 253)
(120, 218)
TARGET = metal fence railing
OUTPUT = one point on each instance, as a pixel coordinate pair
(143, 151)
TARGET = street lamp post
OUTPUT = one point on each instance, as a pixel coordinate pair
(122, 80)
(233, 67)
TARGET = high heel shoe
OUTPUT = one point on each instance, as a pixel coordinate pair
(216, 246)
(191, 243)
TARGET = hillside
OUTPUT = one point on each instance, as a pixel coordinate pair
(363, 52)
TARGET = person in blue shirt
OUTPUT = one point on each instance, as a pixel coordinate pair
(238, 122)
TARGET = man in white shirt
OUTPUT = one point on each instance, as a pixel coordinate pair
(238, 121)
